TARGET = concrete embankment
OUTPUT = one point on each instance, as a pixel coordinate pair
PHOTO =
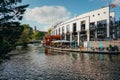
(82, 51)
(96, 44)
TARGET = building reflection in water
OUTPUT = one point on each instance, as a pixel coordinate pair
(96, 66)
(47, 51)
(83, 56)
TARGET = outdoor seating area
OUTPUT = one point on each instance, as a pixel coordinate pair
(64, 44)
(68, 45)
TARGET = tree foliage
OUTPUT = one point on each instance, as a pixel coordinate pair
(38, 35)
(49, 31)
(10, 28)
(27, 34)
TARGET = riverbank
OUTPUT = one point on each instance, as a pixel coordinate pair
(84, 50)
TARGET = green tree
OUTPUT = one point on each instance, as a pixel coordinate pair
(10, 28)
(27, 35)
(49, 31)
(39, 35)
(36, 35)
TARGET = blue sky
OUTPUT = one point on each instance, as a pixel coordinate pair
(44, 13)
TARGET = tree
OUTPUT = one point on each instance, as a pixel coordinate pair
(49, 31)
(41, 35)
(36, 35)
(10, 28)
(27, 35)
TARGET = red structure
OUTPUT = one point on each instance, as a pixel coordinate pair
(49, 38)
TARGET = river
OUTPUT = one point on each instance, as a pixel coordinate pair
(42, 64)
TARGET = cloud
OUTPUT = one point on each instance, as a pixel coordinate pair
(47, 14)
(117, 2)
(46, 27)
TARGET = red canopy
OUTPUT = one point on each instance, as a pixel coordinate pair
(56, 37)
(49, 38)
(53, 37)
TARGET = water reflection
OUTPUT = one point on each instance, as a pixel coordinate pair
(44, 64)
(97, 66)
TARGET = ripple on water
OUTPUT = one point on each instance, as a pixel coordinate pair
(36, 65)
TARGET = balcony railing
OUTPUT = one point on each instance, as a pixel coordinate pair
(101, 34)
(74, 33)
(68, 33)
(101, 26)
(83, 32)
(92, 27)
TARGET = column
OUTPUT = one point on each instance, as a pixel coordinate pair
(78, 35)
(108, 24)
(96, 30)
(88, 35)
(108, 30)
(70, 36)
(87, 28)
(70, 39)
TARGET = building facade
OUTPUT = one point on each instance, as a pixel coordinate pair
(91, 26)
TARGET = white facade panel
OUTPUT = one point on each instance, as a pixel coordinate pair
(90, 17)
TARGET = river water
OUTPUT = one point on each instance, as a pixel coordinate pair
(42, 64)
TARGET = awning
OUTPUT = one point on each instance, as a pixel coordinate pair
(53, 37)
(61, 41)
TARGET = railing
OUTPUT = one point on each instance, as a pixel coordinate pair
(83, 32)
(92, 27)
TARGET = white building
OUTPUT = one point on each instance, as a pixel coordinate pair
(94, 25)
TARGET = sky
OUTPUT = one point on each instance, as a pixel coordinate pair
(44, 13)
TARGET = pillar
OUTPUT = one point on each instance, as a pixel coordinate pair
(78, 35)
(88, 35)
(108, 23)
(70, 36)
(96, 30)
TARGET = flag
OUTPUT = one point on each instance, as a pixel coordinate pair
(113, 5)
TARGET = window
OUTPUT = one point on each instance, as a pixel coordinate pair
(93, 15)
(98, 14)
(68, 29)
(74, 27)
(104, 12)
(63, 29)
(56, 32)
(59, 31)
(83, 25)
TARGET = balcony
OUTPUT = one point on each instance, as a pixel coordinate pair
(92, 28)
(83, 32)
(74, 33)
(101, 26)
(68, 33)
(101, 34)
(83, 35)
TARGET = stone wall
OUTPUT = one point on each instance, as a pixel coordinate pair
(105, 43)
